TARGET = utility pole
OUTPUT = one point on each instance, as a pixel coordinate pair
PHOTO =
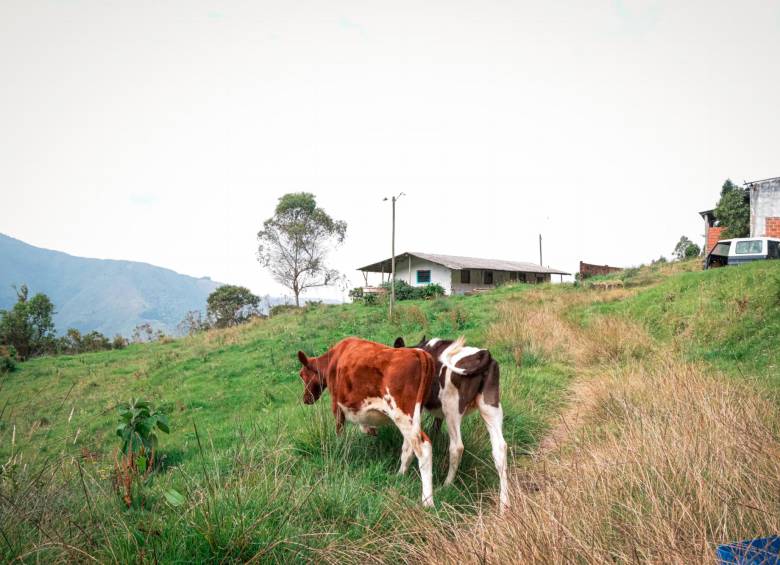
(541, 264)
(392, 260)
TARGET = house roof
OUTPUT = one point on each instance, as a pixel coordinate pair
(750, 183)
(457, 262)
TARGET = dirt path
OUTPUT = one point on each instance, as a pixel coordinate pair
(581, 400)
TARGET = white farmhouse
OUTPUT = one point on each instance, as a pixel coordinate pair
(459, 274)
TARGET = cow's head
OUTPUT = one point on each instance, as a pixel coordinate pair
(399, 342)
(313, 381)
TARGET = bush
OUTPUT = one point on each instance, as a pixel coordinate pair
(280, 309)
(7, 358)
(357, 294)
(405, 291)
(120, 342)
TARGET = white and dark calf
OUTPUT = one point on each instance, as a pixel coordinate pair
(467, 379)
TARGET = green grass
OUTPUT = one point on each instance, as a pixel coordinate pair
(728, 317)
(263, 475)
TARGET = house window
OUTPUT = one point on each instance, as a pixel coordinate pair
(423, 277)
(465, 276)
(522, 277)
(487, 277)
(513, 276)
(540, 278)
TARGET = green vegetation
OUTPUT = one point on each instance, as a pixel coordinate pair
(294, 242)
(260, 473)
(28, 326)
(403, 291)
(248, 471)
(228, 306)
(729, 317)
(686, 249)
(733, 210)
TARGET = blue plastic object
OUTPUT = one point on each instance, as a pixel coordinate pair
(762, 551)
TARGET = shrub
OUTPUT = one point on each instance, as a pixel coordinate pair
(405, 291)
(357, 294)
(7, 358)
(120, 342)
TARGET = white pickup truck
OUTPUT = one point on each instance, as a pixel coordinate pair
(742, 250)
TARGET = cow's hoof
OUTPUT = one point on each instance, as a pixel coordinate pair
(371, 431)
(428, 503)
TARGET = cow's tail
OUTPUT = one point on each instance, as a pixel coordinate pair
(428, 368)
(482, 355)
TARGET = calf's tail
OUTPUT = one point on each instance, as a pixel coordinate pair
(428, 368)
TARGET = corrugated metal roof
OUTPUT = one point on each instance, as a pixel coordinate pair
(457, 262)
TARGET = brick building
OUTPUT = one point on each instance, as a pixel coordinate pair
(765, 207)
(764, 213)
(589, 270)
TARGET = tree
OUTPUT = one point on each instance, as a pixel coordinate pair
(686, 249)
(231, 305)
(192, 323)
(733, 210)
(293, 244)
(28, 326)
(143, 333)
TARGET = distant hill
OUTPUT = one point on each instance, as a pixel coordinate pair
(100, 294)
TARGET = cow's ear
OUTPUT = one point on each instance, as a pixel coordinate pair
(303, 359)
(399, 342)
(423, 340)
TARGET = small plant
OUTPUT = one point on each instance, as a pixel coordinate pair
(7, 358)
(136, 456)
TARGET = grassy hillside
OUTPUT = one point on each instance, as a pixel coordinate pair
(263, 474)
(265, 477)
(728, 317)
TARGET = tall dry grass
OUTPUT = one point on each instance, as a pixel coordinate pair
(669, 462)
(541, 329)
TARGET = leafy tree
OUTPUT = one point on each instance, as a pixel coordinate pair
(733, 210)
(686, 249)
(293, 244)
(230, 305)
(28, 326)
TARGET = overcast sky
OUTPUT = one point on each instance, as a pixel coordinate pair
(165, 131)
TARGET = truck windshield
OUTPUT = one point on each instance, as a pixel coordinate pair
(749, 247)
(722, 249)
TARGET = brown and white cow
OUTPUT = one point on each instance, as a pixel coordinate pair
(372, 384)
(467, 379)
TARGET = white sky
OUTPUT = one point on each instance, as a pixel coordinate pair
(165, 131)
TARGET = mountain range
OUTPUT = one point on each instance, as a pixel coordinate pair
(106, 295)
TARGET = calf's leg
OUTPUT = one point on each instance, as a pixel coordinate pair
(406, 456)
(494, 419)
(419, 444)
(456, 443)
